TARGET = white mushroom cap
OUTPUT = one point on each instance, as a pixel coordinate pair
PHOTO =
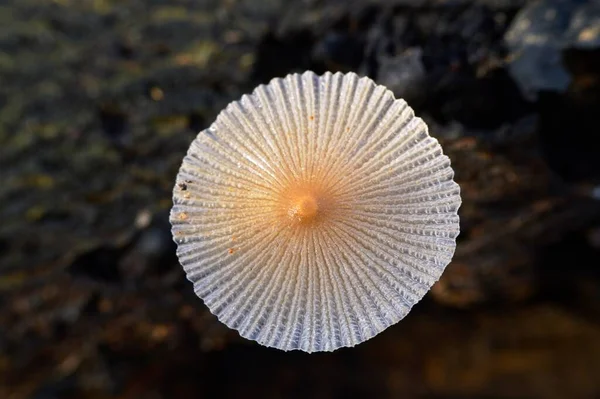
(315, 212)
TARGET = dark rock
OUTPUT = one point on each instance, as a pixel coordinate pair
(565, 131)
(153, 252)
(277, 57)
(538, 36)
(100, 264)
(339, 51)
(404, 74)
(584, 28)
(114, 122)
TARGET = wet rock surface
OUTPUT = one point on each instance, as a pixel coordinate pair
(99, 101)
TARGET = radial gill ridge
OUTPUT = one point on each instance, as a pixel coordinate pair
(315, 212)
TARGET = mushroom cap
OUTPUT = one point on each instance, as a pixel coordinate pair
(315, 212)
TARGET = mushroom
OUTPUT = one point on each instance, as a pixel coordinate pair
(315, 212)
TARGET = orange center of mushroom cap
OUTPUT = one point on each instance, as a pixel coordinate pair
(306, 203)
(304, 208)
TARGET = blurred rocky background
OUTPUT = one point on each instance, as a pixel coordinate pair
(99, 100)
